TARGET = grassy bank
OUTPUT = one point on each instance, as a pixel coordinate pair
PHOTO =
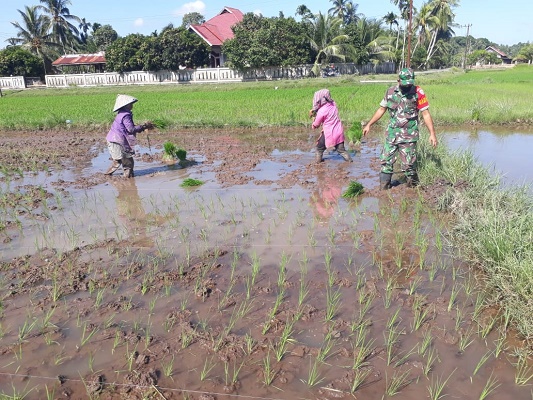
(492, 229)
(456, 97)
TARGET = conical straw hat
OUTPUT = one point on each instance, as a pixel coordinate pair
(123, 100)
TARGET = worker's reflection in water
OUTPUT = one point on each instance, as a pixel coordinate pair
(131, 212)
(326, 197)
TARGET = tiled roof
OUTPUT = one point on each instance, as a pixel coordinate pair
(217, 30)
(80, 59)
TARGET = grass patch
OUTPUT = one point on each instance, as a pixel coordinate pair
(456, 97)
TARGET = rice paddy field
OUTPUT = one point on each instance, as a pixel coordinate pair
(246, 270)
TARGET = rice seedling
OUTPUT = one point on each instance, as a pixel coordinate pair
(358, 379)
(453, 296)
(234, 375)
(484, 358)
(361, 354)
(465, 340)
(168, 367)
(87, 332)
(421, 314)
(437, 386)
(327, 346)
(486, 326)
(269, 373)
(354, 189)
(432, 357)
(402, 358)
(414, 284)
(392, 338)
(171, 152)
(500, 344)
(208, 366)
(313, 377)
(397, 382)
(490, 386)
(191, 182)
(427, 341)
(333, 302)
(524, 372)
(393, 319)
(26, 328)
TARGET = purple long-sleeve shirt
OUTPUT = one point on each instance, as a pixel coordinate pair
(123, 131)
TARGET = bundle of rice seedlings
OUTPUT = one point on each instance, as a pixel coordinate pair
(171, 152)
(355, 133)
(354, 189)
(191, 182)
(160, 123)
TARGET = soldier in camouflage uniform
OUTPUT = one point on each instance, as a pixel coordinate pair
(404, 102)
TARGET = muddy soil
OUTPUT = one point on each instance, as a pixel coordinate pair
(263, 282)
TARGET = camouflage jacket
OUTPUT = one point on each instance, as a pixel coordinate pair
(403, 110)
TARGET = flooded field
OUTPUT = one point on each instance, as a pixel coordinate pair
(263, 282)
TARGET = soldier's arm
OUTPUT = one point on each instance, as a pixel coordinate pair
(377, 115)
(428, 120)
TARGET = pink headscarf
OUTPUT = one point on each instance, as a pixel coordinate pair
(320, 98)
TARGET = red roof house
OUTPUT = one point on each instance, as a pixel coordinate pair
(82, 62)
(505, 59)
(216, 31)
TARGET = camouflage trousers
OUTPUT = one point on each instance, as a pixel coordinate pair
(407, 153)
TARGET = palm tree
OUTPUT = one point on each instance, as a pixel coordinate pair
(304, 12)
(376, 41)
(33, 34)
(443, 11)
(63, 32)
(350, 14)
(84, 28)
(327, 41)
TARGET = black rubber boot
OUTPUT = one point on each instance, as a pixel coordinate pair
(384, 181)
(412, 180)
(128, 163)
(344, 154)
(318, 156)
(116, 165)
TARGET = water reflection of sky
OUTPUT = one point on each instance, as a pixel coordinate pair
(507, 150)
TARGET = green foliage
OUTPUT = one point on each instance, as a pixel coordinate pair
(354, 189)
(355, 133)
(171, 151)
(125, 54)
(104, 36)
(181, 48)
(190, 182)
(16, 61)
(262, 42)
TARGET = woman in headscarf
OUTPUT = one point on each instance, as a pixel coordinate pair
(122, 136)
(325, 113)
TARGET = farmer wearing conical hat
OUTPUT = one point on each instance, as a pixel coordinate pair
(405, 102)
(122, 136)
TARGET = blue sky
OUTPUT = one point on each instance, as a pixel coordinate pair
(501, 22)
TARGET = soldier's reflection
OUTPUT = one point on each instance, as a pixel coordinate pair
(131, 211)
(326, 197)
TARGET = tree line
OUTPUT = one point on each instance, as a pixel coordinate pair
(425, 36)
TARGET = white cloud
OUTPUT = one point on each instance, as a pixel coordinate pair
(139, 22)
(194, 6)
(258, 12)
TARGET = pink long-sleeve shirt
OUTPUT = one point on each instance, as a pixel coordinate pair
(123, 131)
(328, 117)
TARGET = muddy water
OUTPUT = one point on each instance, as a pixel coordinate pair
(504, 150)
(274, 287)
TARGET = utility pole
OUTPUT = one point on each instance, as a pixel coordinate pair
(467, 42)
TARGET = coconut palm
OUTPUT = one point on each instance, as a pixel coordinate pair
(443, 11)
(84, 28)
(328, 42)
(33, 34)
(304, 12)
(351, 16)
(377, 43)
(63, 31)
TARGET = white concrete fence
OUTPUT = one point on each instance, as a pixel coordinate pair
(189, 76)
